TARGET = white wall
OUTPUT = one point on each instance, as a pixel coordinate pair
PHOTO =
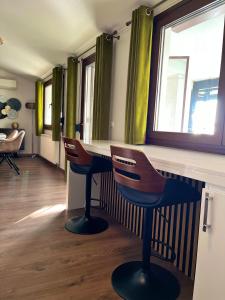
(119, 85)
(25, 92)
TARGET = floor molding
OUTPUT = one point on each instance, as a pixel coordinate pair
(50, 163)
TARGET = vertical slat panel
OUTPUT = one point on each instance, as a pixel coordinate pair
(171, 228)
(180, 232)
(166, 237)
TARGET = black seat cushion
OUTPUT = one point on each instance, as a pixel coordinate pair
(80, 169)
(175, 192)
(98, 165)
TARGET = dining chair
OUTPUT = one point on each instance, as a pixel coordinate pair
(10, 146)
(12, 134)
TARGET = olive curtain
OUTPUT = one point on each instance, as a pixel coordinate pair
(39, 107)
(102, 87)
(138, 76)
(71, 104)
(57, 97)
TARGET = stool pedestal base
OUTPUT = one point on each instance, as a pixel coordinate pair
(132, 282)
(84, 225)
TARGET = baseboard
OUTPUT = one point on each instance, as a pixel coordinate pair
(27, 154)
(50, 163)
(41, 157)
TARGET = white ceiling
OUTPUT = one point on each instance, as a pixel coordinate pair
(40, 34)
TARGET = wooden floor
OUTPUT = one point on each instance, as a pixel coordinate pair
(39, 259)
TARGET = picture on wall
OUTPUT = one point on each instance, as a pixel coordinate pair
(9, 108)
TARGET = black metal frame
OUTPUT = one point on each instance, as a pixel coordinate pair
(142, 279)
(87, 224)
(8, 157)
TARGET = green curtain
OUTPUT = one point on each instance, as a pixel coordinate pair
(138, 76)
(71, 96)
(39, 107)
(102, 87)
(57, 96)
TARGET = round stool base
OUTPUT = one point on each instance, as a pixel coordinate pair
(131, 282)
(84, 225)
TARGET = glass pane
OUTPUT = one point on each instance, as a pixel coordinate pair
(48, 105)
(189, 74)
(88, 101)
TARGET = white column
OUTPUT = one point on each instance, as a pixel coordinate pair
(76, 189)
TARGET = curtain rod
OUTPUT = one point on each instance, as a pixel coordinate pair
(86, 51)
(113, 35)
(49, 75)
(92, 47)
(151, 9)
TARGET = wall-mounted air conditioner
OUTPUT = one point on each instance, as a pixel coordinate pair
(7, 84)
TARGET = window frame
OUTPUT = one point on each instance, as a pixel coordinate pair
(46, 127)
(202, 142)
(85, 62)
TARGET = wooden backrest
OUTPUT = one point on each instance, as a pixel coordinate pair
(131, 168)
(76, 153)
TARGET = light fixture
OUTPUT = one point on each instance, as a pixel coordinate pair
(1, 41)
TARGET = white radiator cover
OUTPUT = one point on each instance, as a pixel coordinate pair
(49, 149)
(7, 84)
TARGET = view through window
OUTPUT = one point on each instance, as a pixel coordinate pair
(48, 104)
(190, 62)
(88, 101)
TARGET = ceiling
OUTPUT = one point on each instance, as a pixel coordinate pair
(40, 34)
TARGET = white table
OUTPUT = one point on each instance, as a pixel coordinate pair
(210, 168)
(206, 167)
(2, 136)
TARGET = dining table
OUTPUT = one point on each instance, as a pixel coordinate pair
(2, 136)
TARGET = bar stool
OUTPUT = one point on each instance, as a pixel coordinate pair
(139, 183)
(82, 162)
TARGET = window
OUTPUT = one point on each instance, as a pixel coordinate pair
(172, 95)
(48, 104)
(187, 96)
(87, 97)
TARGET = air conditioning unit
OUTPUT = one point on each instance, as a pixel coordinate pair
(7, 84)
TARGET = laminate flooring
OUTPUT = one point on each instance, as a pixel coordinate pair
(39, 259)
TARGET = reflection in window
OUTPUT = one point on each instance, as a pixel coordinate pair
(88, 101)
(203, 106)
(173, 95)
(189, 73)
